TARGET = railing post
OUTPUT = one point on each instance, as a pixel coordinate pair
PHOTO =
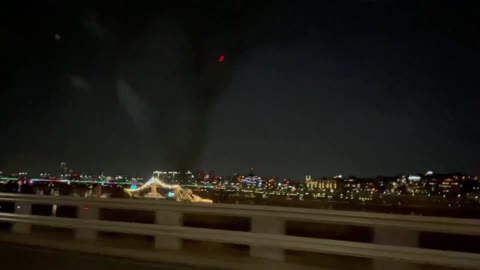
(22, 208)
(168, 218)
(90, 213)
(269, 225)
(394, 237)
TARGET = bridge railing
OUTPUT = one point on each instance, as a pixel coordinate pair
(395, 237)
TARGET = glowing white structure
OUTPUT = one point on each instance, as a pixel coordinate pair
(186, 195)
(181, 195)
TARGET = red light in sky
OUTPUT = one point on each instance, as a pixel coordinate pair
(221, 58)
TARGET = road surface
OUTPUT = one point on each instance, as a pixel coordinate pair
(23, 257)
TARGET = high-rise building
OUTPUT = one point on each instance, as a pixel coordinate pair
(63, 168)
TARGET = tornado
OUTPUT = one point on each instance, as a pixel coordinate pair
(169, 76)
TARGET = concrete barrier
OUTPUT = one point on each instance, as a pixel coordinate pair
(395, 237)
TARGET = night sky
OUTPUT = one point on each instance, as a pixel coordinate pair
(360, 88)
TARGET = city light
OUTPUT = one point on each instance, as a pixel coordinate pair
(450, 189)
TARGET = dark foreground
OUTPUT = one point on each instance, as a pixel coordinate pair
(20, 257)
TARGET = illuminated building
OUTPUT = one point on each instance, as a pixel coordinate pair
(169, 176)
(271, 184)
(367, 184)
(416, 183)
(323, 183)
(351, 184)
(22, 175)
(449, 185)
(444, 183)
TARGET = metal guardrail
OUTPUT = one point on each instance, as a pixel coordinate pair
(267, 237)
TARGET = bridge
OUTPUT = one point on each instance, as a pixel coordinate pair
(219, 236)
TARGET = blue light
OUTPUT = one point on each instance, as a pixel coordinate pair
(133, 187)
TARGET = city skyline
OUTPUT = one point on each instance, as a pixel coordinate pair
(65, 169)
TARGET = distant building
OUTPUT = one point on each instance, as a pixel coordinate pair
(168, 176)
(351, 184)
(322, 183)
(63, 168)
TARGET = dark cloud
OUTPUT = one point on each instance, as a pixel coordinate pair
(361, 87)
